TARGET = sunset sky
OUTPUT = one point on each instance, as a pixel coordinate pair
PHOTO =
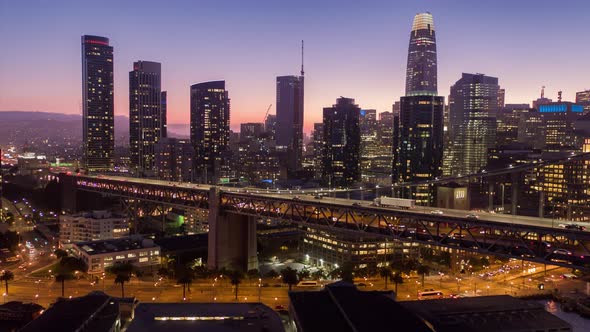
(356, 49)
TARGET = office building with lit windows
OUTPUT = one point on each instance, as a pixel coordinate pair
(146, 118)
(174, 159)
(583, 98)
(100, 255)
(91, 226)
(209, 132)
(289, 121)
(472, 122)
(342, 138)
(97, 104)
(421, 71)
(419, 127)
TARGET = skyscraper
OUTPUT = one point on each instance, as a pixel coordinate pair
(421, 71)
(289, 125)
(164, 114)
(210, 107)
(472, 122)
(419, 128)
(145, 115)
(583, 98)
(97, 104)
(342, 138)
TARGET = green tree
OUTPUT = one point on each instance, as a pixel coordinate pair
(60, 253)
(423, 270)
(303, 274)
(235, 278)
(272, 274)
(253, 274)
(386, 273)
(6, 276)
(121, 279)
(397, 279)
(163, 272)
(289, 276)
(318, 275)
(73, 264)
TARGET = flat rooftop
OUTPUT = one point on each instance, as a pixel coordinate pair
(201, 317)
(486, 314)
(115, 245)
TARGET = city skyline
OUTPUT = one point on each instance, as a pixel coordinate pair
(470, 40)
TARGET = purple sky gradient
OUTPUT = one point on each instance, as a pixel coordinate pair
(356, 49)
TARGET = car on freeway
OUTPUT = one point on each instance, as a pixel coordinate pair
(356, 204)
(562, 252)
(317, 197)
(575, 227)
(296, 198)
(568, 276)
(472, 216)
(439, 212)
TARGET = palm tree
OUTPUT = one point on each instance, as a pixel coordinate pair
(186, 281)
(6, 276)
(62, 276)
(318, 275)
(60, 253)
(121, 279)
(397, 279)
(423, 270)
(235, 278)
(303, 274)
(386, 273)
(289, 276)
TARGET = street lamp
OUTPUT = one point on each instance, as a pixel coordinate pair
(259, 288)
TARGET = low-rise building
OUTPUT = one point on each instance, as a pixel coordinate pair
(226, 317)
(91, 226)
(99, 255)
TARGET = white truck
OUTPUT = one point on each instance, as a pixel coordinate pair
(395, 202)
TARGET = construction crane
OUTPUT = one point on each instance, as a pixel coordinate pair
(267, 110)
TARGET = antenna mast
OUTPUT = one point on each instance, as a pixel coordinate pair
(302, 72)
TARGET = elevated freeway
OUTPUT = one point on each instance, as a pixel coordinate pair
(233, 213)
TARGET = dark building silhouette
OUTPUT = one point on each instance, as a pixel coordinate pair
(210, 106)
(342, 137)
(421, 71)
(145, 115)
(97, 104)
(164, 114)
(289, 121)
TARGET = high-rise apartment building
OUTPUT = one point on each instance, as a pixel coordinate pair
(342, 137)
(164, 114)
(472, 121)
(583, 98)
(98, 122)
(289, 121)
(174, 159)
(508, 122)
(210, 111)
(421, 72)
(318, 149)
(146, 118)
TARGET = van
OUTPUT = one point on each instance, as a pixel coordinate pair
(430, 294)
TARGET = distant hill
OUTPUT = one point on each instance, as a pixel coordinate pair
(28, 127)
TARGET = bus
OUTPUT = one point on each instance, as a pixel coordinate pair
(430, 294)
(308, 283)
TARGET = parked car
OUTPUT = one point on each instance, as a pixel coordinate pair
(439, 212)
(562, 252)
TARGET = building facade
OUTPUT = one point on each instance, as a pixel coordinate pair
(341, 158)
(146, 118)
(174, 159)
(472, 122)
(421, 71)
(98, 122)
(100, 255)
(289, 121)
(210, 112)
(91, 226)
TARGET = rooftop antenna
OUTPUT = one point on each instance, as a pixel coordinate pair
(559, 96)
(542, 92)
(302, 72)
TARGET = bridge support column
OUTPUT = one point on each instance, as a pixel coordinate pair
(232, 238)
(68, 193)
(514, 196)
(541, 204)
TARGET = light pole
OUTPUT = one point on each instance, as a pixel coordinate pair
(259, 288)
